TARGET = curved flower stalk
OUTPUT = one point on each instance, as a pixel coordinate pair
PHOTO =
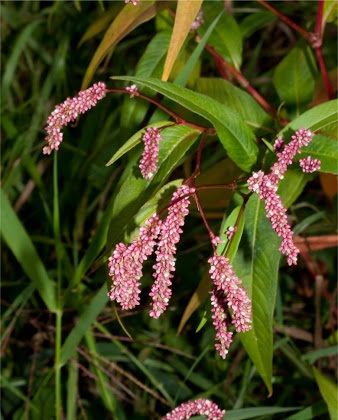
(171, 230)
(266, 185)
(149, 160)
(126, 263)
(202, 407)
(68, 111)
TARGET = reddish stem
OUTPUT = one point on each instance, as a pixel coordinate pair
(208, 130)
(205, 221)
(305, 34)
(323, 70)
(221, 63)
(319, 19)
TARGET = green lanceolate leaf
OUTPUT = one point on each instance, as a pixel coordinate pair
(236, 137)
(19, 242)
(329, 392)
(251, 413)
(236, 99)
(259, 273)
(294, 76)
(322, 118)
(135, 140)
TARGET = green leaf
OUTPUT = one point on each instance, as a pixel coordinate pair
(294, 76)
(135, 140)
(72, 388)
(185, 73)
(313, 356)
(324, 149)
(323, 117)
(251, 413)
(329, 391)
(259, 273)
(19, 242)
(236, 99)
(235, 135)
(255, 21)
(86, 319)
(226, 37)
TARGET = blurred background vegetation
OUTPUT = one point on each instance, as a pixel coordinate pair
(123, 364)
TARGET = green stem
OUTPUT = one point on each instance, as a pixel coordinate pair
(58, 319)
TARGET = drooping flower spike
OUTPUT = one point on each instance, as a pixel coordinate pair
(126, 264)
(68, 111)
(266, 185)
(202, 407)
(170, 234)
(223, 338)
(149, 160)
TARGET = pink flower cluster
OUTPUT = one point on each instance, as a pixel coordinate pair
(309, 164)
(133, 2)
(149, 160)
(202, 407)
(198, 22)
(266, 185)
(171, 230)
(228, 291)
(132, 90)
(68, 111)
(126, 262)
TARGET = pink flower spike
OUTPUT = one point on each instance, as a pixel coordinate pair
(216, 240)
(202, 407)
(164, 267)
(219, 320)
(149, 160)
(231, 231)
(132, 90)
(309, 164)
(133, 2)
(68, 111)
(226, 281)
(126, 263)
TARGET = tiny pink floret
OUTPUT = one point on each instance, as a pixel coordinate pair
(231, 232)
(126, 264)
(309, 164)
(198, 22)
(170, 234)
(68, 111)
(149, 160)
(202, 407)
(133, 2)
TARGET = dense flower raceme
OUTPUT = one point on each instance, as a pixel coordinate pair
(309, 164)
(266, 185)
(149, 159)
(126, 263)
(171, 230)
(202, 407)
(68, 111)
(227, 293)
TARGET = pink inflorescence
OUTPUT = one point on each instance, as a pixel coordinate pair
(223, 337)
(202, 407)
(309, 164)
(133, 2)
(231, 232)
(279, 143)
(68, 111)
(229, 285)
(266, 185)
(126, 263)
(132, 90)
(149, 159)
(164, 267)
(198, 22)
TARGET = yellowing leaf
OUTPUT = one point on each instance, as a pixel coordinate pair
(185, 14)
(126, 21)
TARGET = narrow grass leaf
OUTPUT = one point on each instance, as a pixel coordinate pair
(24, 251)
(329, 391)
